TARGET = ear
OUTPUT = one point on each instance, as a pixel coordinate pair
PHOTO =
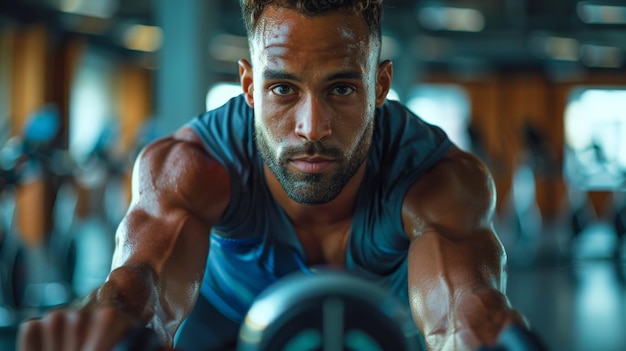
(383, 81)
(246, 79)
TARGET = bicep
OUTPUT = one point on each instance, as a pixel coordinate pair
(179, 192)
(455, 198)
(448, 217)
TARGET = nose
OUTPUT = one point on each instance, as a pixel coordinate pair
(312, 120)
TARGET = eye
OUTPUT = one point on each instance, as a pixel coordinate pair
(282, 90)
(343, 90)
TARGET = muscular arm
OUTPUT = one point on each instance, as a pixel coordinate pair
(457, 277)
(179, 192)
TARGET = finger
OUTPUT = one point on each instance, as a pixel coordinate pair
(29, 336)
(53, 326)
(76, 330)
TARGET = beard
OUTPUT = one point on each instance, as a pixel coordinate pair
(319, 188)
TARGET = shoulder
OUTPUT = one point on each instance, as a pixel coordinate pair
(227, 131)
(177, 171)
(455, 197)
(236, 108)
(404, 131)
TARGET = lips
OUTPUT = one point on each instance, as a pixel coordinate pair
(311, 164)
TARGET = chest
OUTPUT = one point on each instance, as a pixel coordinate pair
(324, 245)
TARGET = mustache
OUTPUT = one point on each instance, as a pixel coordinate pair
(311, 148)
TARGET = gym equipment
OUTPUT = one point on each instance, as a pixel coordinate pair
(513, 338)
(29, 276)
(12, 168)
(101, 177)
(329, 311)
(536, 160)
(9, 260)
(527, 221)
(582, 213)
(75, 255)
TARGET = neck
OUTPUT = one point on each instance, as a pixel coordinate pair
(337, 210)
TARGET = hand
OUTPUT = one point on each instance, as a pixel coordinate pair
(93, 328)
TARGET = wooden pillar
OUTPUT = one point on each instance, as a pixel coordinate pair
(29, 73)
(134, 102)
(487, 118)
(28, 94)
(135, 108)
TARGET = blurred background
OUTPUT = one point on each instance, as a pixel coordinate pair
(535, 88)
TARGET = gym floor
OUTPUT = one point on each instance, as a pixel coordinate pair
(574, 292)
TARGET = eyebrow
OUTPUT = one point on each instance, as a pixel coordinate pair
(278, 75)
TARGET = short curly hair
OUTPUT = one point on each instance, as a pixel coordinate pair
(370, 10)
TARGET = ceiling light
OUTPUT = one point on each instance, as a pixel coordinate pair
(229, 48)
(601, 56)
(92, 8)
(451, 19)
(601, 14)
(557, 48)
(143, 38)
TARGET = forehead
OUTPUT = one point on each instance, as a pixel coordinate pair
(287, 35)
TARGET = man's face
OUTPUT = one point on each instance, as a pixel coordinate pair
(314, 91)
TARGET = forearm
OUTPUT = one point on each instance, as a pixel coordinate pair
(133, 291)
(130, 289)
(158, 267)
(457, 290)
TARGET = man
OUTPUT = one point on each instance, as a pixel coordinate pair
(310, 166)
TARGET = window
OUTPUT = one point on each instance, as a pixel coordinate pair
(220, 93)
(446, 106)
(92, 104)
(595, 139)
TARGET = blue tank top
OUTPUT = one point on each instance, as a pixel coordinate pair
(254, 243)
